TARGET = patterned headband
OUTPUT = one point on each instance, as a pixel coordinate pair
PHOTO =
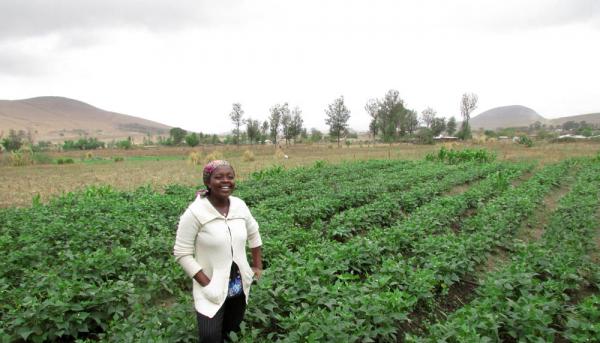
(207, 171)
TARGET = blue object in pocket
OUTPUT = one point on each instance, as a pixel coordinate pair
(235, 282)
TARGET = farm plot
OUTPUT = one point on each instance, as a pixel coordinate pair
(354, 252)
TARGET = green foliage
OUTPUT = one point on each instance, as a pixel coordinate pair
(66, 160)
(353, 251)
(425, 136)
(452, 156)
(526, 141)
(86, 143)
(14, 141)
(177, 135)
(465, 131)
(125, 144)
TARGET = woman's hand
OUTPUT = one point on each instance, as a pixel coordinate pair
(257, 273)
(257, 267)
(202, 279)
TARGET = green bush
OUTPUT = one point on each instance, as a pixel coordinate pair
(119, 159)
(526, 141)
(451, 156)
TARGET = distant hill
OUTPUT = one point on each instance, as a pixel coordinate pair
(506, 116)
(521, 116)
(57, 118)
(592, 118)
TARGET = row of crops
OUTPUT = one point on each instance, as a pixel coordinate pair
(362, 251)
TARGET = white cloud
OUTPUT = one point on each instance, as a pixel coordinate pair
(185, 63)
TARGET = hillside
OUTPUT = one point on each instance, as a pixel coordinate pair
(506, 116)
(58, 118)
(592, 118)
(520, 116)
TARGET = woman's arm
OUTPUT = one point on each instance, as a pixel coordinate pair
(185, 242)
(257, 266)
(201, 278)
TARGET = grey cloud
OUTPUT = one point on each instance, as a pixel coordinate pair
(547, 13)
(17, 64)
(30, 18)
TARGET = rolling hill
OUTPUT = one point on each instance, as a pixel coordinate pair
(56, 119)
(521, 116)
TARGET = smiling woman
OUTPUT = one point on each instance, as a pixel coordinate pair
(210, 246)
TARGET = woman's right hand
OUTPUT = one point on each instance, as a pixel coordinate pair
(202, 279)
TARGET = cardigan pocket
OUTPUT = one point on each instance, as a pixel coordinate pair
(213, 292)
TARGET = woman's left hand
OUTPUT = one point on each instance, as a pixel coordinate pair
(257, 273)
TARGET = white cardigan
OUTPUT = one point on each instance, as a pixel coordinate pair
(208, 241)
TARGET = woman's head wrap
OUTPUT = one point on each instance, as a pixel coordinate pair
(207, 171)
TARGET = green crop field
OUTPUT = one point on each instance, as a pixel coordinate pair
(457, 247)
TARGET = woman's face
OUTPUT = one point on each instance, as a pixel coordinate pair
(221, 182)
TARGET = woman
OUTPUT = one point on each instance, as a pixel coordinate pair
(210, 246)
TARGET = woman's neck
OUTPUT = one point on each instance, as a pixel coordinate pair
(218, 201)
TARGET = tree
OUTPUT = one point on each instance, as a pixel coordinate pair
(264, 129)
(275, 120)
(236, 115)
(409, 122)
(177, 135)
(192, 139)
(427, 116)
(438, 125)
(297, 122)
(372, 108)
(315, 135)
(14, 141)
(468, 104)
(286, 126)
(391, 114)
(451, 126)
(252, 130)
(337, 118)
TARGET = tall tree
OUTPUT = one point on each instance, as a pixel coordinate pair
(264, 129)
(297, 122)
(315, 135)
(468, 104)
(177, 135)
(409, 122)
(337, 118)
(391, 114)
(275, 120)
(192, 139)
(427, 116)
(438, 125)
(451, 126)
(252, 130)
(286, 126)
(236, 115)
(372, 108)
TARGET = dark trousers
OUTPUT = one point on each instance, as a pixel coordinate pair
(228, 318)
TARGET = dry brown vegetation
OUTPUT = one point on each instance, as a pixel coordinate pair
(18, 185)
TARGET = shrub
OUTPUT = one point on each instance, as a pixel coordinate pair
(41, 158)
(19, 159)
(124, 144)
(89, 143)
(279, 154)
(526, 141)
(248, 156)
(195, 158)
(215, 155)
(119, 159)
(451, 156)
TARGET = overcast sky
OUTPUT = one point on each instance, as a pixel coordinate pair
(184, 63)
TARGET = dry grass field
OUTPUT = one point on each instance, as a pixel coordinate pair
(164, 166)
